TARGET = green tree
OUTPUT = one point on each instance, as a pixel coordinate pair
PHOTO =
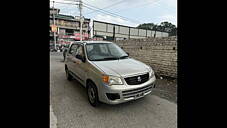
(148, 26)
(168, 27)
(163, 27)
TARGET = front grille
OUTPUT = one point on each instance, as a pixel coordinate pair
(134, 92)
(135, 79)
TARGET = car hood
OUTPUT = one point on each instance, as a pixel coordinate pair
(122, 67)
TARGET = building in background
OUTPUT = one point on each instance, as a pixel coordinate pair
(68, 27)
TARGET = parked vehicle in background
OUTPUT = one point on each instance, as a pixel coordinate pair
(107, 72)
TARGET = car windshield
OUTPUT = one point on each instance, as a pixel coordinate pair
(104, 51)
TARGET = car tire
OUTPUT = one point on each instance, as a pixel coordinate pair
(68, 75)
(92, 94)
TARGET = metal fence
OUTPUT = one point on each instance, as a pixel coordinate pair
(116, 31)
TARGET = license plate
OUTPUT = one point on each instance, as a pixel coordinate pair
(139, 95)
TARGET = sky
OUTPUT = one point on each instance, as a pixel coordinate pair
(124, 12)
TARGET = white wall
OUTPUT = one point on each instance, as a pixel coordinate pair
(136, 37)
(99, 26)
(117, 28)
(103, 33)
(122, 36)
(158, 34)
(110, 28)
(149, 33)
(133, 31)
(142, 32)
(165, 34)
(121, 31)
(124, 30)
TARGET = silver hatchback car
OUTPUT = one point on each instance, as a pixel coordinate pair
(107, 72)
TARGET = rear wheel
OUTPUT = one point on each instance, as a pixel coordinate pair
(92, 94)
(68, 75)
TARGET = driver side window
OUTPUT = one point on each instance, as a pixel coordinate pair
(80, 51)
(73, 49)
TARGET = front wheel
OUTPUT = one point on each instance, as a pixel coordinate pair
(64, 58)
(92, 94)
(68, 75)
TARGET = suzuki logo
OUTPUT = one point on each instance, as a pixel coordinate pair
(139, 79)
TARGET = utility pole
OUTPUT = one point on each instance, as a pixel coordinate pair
(155, 31)
(54, 25)
(81, 22)
(114, 33)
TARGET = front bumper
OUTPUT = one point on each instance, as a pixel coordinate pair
(126, 92)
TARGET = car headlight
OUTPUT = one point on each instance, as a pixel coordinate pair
(151, 73)
(112, 80)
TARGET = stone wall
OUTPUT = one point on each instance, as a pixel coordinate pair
(159, 53)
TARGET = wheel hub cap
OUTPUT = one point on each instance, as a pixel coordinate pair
(91, 94)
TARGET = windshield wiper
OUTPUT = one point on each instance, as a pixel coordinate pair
(110, 58)
(107, 58)
(123, 57)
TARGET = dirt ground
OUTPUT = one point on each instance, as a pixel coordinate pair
(166, 88)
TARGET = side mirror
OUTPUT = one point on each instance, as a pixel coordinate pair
(80, 57)
(127, 53)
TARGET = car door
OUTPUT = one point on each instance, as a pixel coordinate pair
(70, 59)
(79, 65)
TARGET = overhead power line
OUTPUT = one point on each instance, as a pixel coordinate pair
(164, 7)
(109, 6)
(124, 18)
(109, 13)
(65, 3)
(138, 6)
(91, 7)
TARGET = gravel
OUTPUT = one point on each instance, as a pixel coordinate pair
(166, 89)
